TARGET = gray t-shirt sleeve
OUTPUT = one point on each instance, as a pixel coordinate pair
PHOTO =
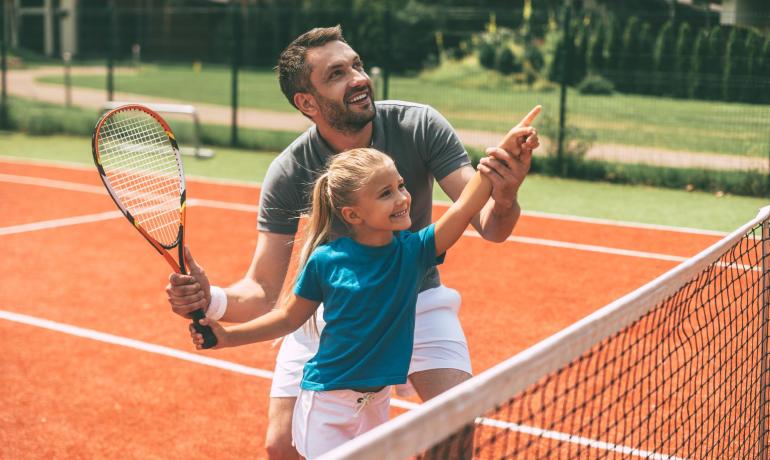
(279, 201)
(445, 151)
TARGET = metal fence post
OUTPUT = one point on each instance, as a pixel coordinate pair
(388, 49)
(111, 37)
(235, 62)
(565, 74)
(3, 69)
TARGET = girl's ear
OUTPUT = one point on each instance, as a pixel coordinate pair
(350, 215)
(306, 103)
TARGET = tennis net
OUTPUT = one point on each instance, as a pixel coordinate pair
(676, 369)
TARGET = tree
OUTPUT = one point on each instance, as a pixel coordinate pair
(645, 66)
(682, 60)
(628, 57)
(763, 72)
(750, 89)
(735, 66)
(596, 45)
(663, 57)
(695, 78)
(581, 33)
(613, 49)
(713, 68)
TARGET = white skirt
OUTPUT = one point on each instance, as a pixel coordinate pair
(323, 420)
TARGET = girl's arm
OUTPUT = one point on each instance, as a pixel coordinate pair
(272, 325)
(451, 225)
(477, 191)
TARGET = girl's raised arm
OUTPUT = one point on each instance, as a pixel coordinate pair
(476, 193)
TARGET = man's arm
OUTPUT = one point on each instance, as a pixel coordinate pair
(248, 298)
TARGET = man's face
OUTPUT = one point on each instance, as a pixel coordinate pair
(341, 87)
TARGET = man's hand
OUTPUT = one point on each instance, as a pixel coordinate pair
(187, 293)
(507, 165)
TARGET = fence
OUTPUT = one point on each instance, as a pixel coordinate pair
(670, 97)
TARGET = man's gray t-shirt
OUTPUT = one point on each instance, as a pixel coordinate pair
(420, 140)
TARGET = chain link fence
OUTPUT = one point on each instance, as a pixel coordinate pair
(676, 96)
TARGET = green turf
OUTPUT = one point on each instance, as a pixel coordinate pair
(545, 194)
(473, 99)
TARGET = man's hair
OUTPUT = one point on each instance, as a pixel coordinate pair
(293, 69)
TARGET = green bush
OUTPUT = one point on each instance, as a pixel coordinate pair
(47, 119)
(534, 57)
(487, 56)
(505, 61)
(38, 118)
(596, 84)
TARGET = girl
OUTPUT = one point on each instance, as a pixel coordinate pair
(368, 283)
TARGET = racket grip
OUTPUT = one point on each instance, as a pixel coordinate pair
(209, 339)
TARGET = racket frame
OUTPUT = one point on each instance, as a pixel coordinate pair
(180, 265)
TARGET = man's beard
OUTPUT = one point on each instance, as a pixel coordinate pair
(342, 118)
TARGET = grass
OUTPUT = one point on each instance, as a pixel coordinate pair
(539, 193)
(472, 98)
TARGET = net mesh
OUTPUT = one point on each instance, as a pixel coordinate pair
(684, 376)
(143, 172)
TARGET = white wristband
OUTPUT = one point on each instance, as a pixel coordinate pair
(218, 304)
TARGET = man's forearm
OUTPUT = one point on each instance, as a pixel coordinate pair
(246, 300)
(497, 222)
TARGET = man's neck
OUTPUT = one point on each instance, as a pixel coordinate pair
(341, 141)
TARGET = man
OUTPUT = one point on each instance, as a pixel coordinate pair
(325, 80)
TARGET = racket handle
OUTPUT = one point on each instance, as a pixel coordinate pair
(209, 339)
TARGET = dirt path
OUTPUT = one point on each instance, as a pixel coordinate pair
(23, 83)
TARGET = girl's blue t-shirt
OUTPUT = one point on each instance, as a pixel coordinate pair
(369, 296)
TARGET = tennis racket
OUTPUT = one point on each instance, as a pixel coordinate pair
(139, 163)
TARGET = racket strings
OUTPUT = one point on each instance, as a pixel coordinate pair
(144, 172)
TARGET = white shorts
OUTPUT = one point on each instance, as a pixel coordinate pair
(439, 343)
(323, 420)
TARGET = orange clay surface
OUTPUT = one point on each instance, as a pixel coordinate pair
(66, 396)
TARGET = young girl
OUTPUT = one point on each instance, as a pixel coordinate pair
(368, 283)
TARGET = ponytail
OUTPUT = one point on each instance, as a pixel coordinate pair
(316, 232)
(332, 190)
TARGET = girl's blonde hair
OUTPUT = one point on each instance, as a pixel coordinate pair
(346, 173)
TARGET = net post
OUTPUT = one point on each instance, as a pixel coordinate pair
(763, 411)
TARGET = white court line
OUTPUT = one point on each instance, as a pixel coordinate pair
(56, 223)
(253, 208)
(261, 373)
(258, 185)
(593, 248)
(621, 223)
(134, 344)
(52, 183)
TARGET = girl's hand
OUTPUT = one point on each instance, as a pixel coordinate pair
(216, 328)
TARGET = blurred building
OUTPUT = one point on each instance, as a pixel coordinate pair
(754, 13)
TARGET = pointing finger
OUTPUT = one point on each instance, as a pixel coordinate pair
(527, 120)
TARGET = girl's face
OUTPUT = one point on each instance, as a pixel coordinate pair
(383, 204)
